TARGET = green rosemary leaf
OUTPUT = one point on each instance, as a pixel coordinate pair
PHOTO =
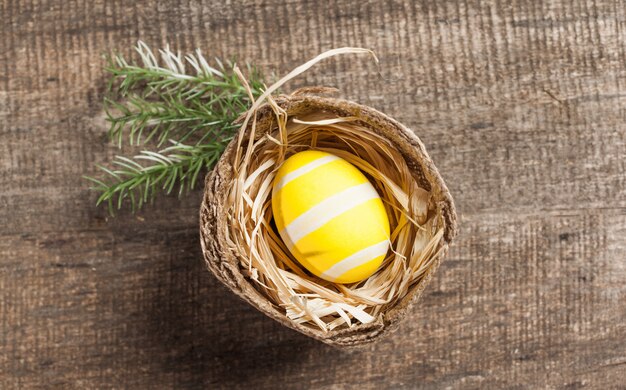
(182, 100)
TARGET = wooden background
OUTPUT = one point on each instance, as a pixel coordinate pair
(521, 105)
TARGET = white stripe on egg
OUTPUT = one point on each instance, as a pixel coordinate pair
(323, 212)
(303, 170)
(356, 259)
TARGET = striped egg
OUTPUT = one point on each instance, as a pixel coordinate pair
(330, 216)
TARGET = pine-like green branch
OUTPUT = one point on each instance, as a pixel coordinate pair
(164, 101)
(140, 178)
(182, 100)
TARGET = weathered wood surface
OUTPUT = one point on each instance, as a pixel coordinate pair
(522, 106)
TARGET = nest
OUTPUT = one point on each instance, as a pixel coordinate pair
(241, 245)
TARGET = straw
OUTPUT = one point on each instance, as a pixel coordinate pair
(305, 298)
(241, 244)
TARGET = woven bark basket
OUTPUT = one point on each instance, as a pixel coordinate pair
(223, 261)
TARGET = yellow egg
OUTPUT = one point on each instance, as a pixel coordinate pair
(330, 216)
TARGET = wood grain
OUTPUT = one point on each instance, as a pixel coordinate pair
(522, 106)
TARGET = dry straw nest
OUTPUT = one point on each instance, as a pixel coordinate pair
(241, 245)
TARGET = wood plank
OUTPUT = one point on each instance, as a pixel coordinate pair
(530, 299)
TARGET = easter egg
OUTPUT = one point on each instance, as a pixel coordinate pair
(330, 216)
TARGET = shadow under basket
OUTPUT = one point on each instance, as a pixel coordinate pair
(241, 245)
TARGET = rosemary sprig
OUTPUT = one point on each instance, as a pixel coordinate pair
(156, 102)
(178, 164)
